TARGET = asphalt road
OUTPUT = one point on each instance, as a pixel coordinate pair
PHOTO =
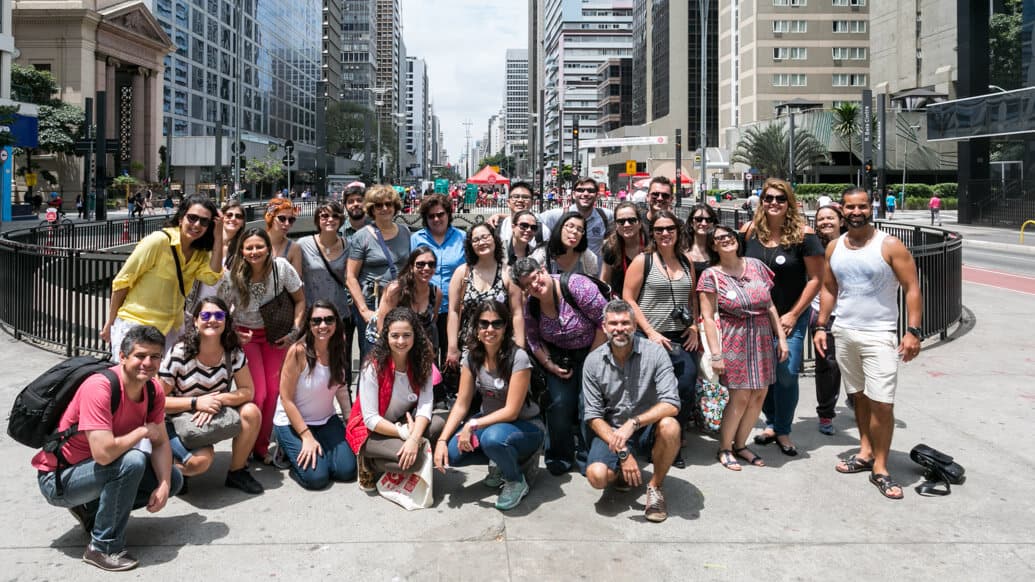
(1015, 263)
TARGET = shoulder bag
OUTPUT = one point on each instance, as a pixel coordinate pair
(224, 425)
(712, 396)
(278, 314)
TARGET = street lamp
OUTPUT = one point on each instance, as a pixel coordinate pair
(905, 157)
(379, 93)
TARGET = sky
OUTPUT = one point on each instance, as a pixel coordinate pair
(464, 43)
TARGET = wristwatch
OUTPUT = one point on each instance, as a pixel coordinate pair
(915, 331)
(623, 455)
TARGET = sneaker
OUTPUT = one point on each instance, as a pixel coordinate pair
(512, 494)
(530, 468)
(620, 483)
(243, 480)
(494, 480)
(657, 510)
(276, 457)
(826, 426)
(85, 518)
(117, 562)
(365, 475)
(558, 468)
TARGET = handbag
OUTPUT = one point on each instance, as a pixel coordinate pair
(939, 470)
(278, 314)
(410, 490)
(225, 425)
(712, 396)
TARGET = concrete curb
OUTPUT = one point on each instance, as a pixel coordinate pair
(1013, 248)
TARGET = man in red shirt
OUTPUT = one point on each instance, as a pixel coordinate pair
(115, 462)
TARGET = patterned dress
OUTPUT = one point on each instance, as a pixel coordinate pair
(747, 337)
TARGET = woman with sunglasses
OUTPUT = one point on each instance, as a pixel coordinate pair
(483, 277)
(737, 288)
(523, 229)
(324, 255)
(197, 376)
(152, 286)
(659, 286)
(779, 237)
(377, 253)
(280, 219)
(413, 289)
(392, 411)
(254, 279)
(560, 333)
(703, 219)
(623, 244)
(505, 432)
(568, 249)
(830, 224)
(306, 424)
(233, 222)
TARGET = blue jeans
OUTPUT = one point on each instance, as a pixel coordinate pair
(109, 492)
(684, 366)
(508, 444)
(337, 462)
(563, 418)
(782, 398)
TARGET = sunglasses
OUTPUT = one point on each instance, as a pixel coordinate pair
(721, 238)
(325, 216)
(520, 197)
(326, 320)
(770, 198)
(285, 219)
(233, 216)
(585, 190)
(437, 215)
(425, 264)
(195, 219)
(526, 225)
(384, 205)
(664, 229)
(493, 323)
(218, 315)
(662, 195)
(627, 221)
(705, 219)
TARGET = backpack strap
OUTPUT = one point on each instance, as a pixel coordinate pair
(648, 264)
(568, 297)
(603, 217)
(176, 259)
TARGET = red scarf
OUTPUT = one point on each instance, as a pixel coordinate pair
(356, 431)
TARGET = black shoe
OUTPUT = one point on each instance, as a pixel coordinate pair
(557, 468)
(679, 463)
(117, 562)
(85, 518)
(243, 480)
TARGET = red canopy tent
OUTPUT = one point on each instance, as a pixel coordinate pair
(488, 177)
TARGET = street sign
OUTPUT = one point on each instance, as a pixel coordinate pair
(630, 167)
(747, 175)
(288, 160)
(613, 142)
(237, 148)
(289, 146)
(30, 179)
(697, 159)
(553, 171)
(3, 156)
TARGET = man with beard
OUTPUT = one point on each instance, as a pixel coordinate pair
(630, 400)
(865, 268)
(352, 198)
(659, 197)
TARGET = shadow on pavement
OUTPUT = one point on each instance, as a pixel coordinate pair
(171, 533)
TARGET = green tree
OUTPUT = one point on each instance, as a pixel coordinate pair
(263, 172)
(1004, 45)
(766, 148)
(505, 162)
(847, 128)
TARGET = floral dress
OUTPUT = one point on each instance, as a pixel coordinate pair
(747, 336)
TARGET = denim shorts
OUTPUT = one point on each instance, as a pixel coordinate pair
(640, 445)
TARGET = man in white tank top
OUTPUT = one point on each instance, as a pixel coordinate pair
(865, 268)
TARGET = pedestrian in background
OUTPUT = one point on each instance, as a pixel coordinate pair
(935, 206)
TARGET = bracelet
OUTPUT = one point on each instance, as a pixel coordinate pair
(441, 441)
(194, 404)
(716, 358)
(304, 431)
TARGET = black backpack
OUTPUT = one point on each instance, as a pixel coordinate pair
(38, 407)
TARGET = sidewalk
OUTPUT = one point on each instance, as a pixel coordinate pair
(796, 519)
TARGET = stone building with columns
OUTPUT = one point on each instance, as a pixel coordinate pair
(101, 45)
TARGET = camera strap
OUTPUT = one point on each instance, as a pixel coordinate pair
(671, 290)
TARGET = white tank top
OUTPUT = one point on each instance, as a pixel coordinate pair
(867, 290)
(313, 396)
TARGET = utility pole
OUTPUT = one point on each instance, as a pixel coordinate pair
(467, 151)
(703, 142)
(790, 148)
(238, 116)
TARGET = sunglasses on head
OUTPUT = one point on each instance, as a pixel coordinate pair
(493, 323)
(326, 320)
(771, 198)
(202, 220)
(285, 219)
(217, 315)
(627, 221)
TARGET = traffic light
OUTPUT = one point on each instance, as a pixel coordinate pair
(575, 128)
(868, 166)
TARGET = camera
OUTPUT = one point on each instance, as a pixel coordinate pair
(683, 315)
(564, 361)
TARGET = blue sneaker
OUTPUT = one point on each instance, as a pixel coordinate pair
(826, 426)
(512, 494)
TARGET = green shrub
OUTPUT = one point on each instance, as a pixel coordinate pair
(946, 190)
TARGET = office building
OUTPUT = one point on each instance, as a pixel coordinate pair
(359, 51)
(415, 129)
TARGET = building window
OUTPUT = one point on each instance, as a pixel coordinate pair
(791, 26)
(790, 80)
(849, 2)
(790, 2)
(849, 26)
(853, 53)
(794, 53)
(848, 80)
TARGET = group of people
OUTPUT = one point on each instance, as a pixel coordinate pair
(573, 334)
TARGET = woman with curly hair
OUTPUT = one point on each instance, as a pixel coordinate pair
(779, 237)
(504, 433)
(255, 278)
(392, 411)
(413, 289)
(197, 375)
(308, 428)
(280, 219)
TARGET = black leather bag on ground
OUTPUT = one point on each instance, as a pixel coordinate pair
(940, 470)
(278, 315)
(225, 425)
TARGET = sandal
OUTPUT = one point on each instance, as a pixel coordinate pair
(854, 464)
(753, 460)
(726, 459)
(885, 483)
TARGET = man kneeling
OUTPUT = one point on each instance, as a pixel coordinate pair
(116, 461)
(630, 400)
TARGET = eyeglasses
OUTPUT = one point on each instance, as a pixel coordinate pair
(662, 195)
(482, 239)
(526, 225)
(217, 315)
(493, 323)
(326, 320)
(627, 221)
(520, 197)
(769, 198)
(384, 205)
(233, 216)
(285, 219)
(425, 264)
(325, 216)
(437, 215)
(704, 219)
(585, 190)
(665, 229)
(572, 227)
(721, 238)
(202, 220)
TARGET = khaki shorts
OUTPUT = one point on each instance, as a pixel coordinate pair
(868, 362)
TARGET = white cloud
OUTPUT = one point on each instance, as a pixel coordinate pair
(464, 43)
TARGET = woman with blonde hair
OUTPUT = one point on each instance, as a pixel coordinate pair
(779, 237)
(280, 219)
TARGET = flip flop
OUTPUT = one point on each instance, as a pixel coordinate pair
(854, 464)
(726, 459)
(885, 483)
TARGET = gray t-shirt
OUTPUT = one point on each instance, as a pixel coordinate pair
(493, 388)
(363, 246)
(616, 392)
(319, 283)
(261, 293)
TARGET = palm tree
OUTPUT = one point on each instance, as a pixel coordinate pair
(765, 148)
(846, 127)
